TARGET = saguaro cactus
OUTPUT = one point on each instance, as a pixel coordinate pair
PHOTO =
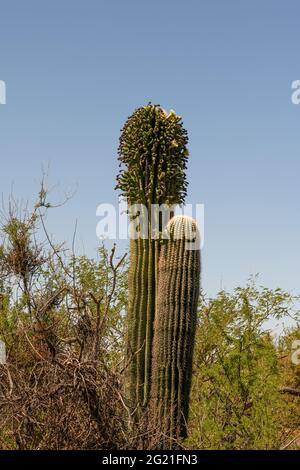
(153, 155)
(174, 328)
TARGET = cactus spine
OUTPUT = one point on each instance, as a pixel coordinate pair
(152, 155)
(174, 329)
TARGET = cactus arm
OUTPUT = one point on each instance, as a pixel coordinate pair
(174, 331)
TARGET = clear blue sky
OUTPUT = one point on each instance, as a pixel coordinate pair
(75, 70)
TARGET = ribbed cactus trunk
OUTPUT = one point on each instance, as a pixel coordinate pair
(141, 311)
(174, 330)
(153, 157)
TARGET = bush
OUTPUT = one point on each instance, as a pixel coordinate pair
(62, 387)
(236, 397)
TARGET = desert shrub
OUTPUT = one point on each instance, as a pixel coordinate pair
(61, 320)
(236, 397)
(62, 387)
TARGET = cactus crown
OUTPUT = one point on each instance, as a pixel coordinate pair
(153, 155)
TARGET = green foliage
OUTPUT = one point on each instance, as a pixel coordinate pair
(61, 319)
(236, 400)
(93, 280)
(19, 252)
